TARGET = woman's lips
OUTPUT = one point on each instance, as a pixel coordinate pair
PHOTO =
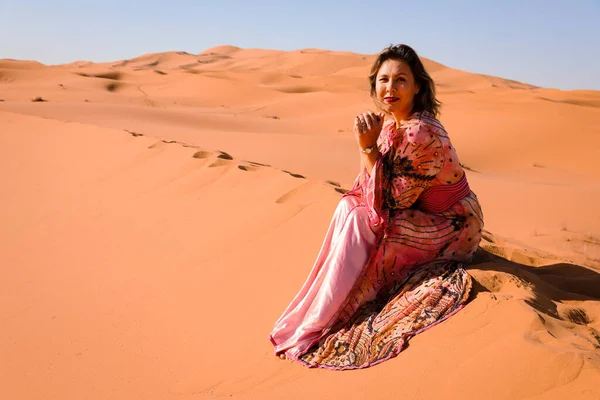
(390, 99)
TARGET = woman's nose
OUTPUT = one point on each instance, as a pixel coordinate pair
(391, 87)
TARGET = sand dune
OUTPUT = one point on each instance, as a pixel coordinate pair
(160, 212)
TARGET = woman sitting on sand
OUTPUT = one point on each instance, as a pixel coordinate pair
(391, 264)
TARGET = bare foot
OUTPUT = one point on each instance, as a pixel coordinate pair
(283, 356)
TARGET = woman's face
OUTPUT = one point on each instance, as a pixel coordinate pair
(395, 87)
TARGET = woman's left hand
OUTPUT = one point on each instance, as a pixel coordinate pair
(367, 128)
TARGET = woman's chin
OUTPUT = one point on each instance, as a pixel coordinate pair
(394, 108)
(386, 107)
(391, 105)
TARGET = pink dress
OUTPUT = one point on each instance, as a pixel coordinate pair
(391, 264)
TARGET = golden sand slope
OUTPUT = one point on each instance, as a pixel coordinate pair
(160, 212)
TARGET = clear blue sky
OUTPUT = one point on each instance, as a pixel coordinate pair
(548, 43)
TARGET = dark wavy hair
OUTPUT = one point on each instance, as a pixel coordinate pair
(425, 99)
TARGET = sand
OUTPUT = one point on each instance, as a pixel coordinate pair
(159, 213)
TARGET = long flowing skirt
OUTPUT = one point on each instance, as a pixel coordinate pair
(369, 291)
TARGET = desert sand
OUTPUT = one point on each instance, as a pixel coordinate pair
(159, 213)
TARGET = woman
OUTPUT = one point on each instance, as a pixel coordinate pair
(391, 262)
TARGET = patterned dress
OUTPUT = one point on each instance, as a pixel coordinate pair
(391, 264)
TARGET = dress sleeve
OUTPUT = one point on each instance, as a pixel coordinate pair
(403, 171)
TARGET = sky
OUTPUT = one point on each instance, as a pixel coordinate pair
(551, 43)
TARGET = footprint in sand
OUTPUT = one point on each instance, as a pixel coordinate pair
(201, 154)
(337, 187)
(113, 86)
(258, 164)
(134, 134)
(220, 163)
(162, 144)
(294, 175)
(247, 167)
(224, 156)
(223, 159)
(303, 194)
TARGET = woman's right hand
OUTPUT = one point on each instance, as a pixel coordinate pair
(367, 128)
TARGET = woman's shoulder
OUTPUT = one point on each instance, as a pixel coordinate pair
(421, 128)
(419, 143)
(425, 123)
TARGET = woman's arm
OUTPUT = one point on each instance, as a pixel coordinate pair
(367, 128)
(397, 178)
(367, 161)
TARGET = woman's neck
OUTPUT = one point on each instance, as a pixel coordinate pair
(401, 116)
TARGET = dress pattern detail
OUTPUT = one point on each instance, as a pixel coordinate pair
(379, 329)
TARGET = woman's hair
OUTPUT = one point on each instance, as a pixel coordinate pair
(425, 99)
